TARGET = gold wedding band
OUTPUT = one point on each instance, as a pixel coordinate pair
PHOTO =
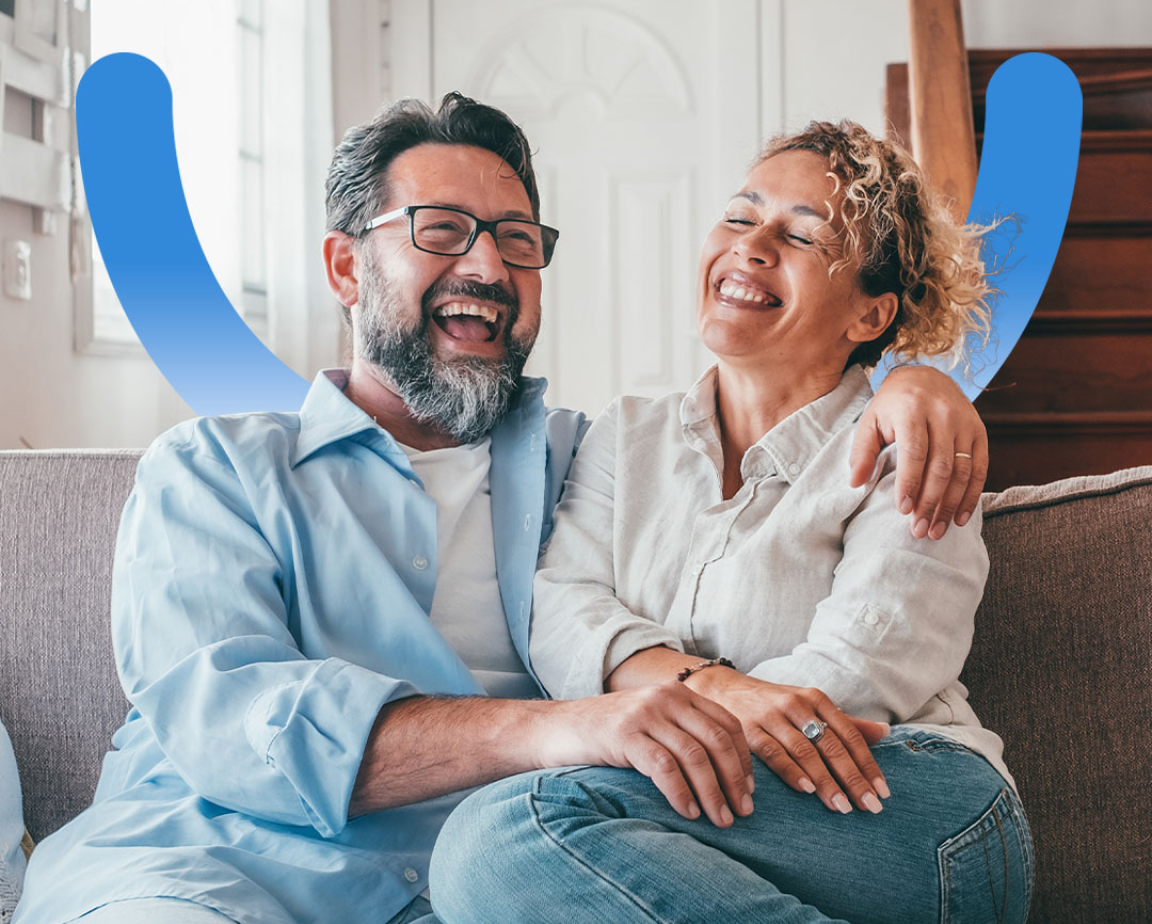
(962, 455)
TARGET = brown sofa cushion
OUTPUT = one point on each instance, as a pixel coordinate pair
(1061, 667)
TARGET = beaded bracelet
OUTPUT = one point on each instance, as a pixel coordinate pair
(714, 662)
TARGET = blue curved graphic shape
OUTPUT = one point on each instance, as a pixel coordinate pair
(215, 362)
(154, 259)
(1028, 166)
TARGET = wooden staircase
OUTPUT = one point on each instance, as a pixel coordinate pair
(1075, 395)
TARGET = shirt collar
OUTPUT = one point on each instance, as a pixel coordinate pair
(327, 416)
(790, 445)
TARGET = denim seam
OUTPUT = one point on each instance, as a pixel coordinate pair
(969, 835)
(1007, 894)
(1024, 836)
(635, 900)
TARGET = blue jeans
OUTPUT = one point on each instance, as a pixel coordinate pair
(596, 844)
(178, 911)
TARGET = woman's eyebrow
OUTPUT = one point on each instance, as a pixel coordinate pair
(799, 209)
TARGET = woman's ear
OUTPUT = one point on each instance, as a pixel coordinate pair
(878, 313)
(340, 266)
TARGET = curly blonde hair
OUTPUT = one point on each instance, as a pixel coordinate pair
(905, 241)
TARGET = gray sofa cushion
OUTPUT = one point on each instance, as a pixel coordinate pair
(59, 696)
(1061, 667)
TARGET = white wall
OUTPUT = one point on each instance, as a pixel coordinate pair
(834, 56)
(831, 65)
(49, 396)
(1055, 23)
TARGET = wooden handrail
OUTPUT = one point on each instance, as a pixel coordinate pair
(940, 100)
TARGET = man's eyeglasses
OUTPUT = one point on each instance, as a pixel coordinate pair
(451, 232)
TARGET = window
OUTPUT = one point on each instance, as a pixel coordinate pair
(244, 74)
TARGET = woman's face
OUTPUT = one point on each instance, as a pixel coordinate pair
(765, 295)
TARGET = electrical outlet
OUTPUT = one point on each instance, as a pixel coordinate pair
(18, 270)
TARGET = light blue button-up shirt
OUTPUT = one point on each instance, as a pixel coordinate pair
(273, 579)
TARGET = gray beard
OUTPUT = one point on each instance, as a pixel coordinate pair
(465, 397)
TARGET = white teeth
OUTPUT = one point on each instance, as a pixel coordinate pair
(483, 312)
(729, 290)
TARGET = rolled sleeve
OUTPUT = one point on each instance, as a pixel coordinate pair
(204, 652)
(898, 624)
(580, 631)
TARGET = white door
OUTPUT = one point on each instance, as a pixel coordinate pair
(643, 115)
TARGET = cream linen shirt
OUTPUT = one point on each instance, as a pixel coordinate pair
(799, 579)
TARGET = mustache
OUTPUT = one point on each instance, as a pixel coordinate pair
(476, 291)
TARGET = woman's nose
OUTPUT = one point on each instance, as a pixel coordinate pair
(758, 246)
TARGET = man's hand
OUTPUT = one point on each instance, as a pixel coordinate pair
(927, 416)
(773, 715)
(691, 748)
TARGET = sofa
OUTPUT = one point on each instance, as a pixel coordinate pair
(1061, 665)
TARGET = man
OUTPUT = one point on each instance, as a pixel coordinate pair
(308, 609)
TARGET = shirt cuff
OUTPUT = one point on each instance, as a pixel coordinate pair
(611, 645)
(314, 733)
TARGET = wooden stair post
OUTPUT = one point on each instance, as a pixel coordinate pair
(940, 99)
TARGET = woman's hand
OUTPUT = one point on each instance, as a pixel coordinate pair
(772, 716)
(931, 421)
(688, 745)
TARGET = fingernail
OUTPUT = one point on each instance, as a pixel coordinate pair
(963, 518)
(746, 805)
(841, 803)
(872, 804)
(693, 810)
(726, 815)
(751, 781)
(906, 505)
(881, 787)
(920, 530)
(938, 530)
(806, 785)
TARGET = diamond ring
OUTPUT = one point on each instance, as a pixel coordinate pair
(813, 730)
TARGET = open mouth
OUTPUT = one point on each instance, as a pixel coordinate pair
(468, 321)
(746, 293)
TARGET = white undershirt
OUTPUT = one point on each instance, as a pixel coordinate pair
(466, 608)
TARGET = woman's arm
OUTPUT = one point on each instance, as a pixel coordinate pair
(580, 631)
(772, 714)
(927, 416)
(897, 625)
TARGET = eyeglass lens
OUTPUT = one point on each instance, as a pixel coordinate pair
(446, 232)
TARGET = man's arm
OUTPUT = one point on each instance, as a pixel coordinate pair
(205, 654)
(204, 651)
(930, 420)
(692, 749)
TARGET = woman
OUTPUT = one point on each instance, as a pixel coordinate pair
(708, 537)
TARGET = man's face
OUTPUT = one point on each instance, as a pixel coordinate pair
(452, 333)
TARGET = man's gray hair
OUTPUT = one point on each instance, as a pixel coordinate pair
(357, 188)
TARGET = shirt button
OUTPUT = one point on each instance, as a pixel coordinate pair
(419, 562)
(871, 618)
(411, 875)
(793, 469)
(528, 522)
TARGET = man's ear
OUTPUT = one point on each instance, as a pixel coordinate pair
(877, 315)
(340, 265)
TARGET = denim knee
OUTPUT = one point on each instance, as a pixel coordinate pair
(480, 850)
